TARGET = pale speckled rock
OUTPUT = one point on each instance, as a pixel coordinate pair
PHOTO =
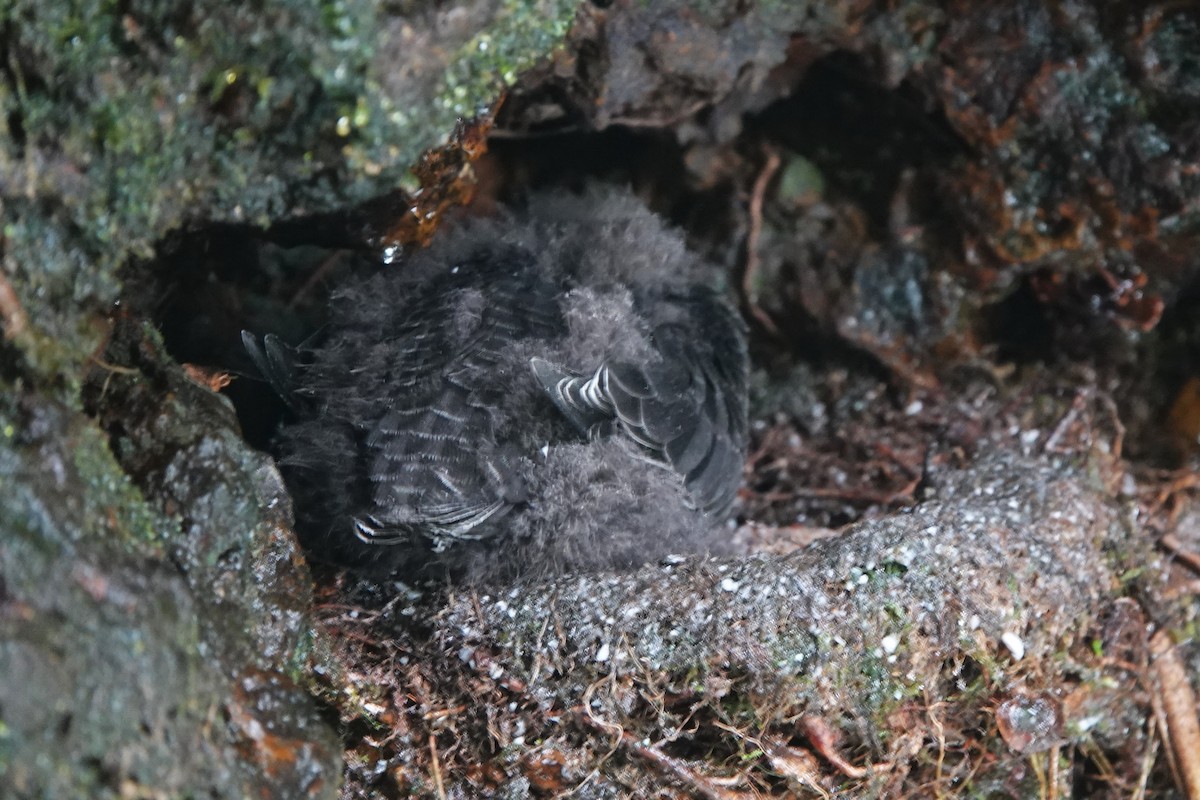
(1010, 548)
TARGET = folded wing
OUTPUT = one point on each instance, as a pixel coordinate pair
(686, 405)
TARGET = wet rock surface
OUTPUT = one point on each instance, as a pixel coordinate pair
(154, 608)
(965, 238)
(119, 677)
(860, 630)
(1002, 541)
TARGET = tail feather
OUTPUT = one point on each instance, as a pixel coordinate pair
(275, 362)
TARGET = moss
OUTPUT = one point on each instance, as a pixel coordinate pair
(111, 508)
(386, 132)
(106, 623)
(126, 121)
(119, 512)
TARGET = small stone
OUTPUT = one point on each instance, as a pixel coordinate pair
(1014, 645)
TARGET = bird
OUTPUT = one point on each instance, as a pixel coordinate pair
(558, 388)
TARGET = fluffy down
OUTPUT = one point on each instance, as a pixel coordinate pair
(557, 389)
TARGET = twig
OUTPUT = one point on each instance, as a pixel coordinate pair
(1164, 732)
(1179, 707)
(820, 735)
(319, 274)
(12, 315)
(1176, 482)
(437, 769)
(357, 636)
(1035, 764)
(110, 370)
(443, 712)
(1118, 443)
(1185, 590)
(940, 736)
(1149, 759)
(537, 648)
(1052, 777)
(701, 786)
(1171, 543)
(799, 766)
(117, 368)
(750, 275)
(1060, 429)
(852, 493)
(663, 121)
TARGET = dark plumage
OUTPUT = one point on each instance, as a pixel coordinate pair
(559, 389)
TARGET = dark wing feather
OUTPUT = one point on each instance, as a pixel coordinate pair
(433, 461)
(405, 389)
(688, 405)
(275, 362)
